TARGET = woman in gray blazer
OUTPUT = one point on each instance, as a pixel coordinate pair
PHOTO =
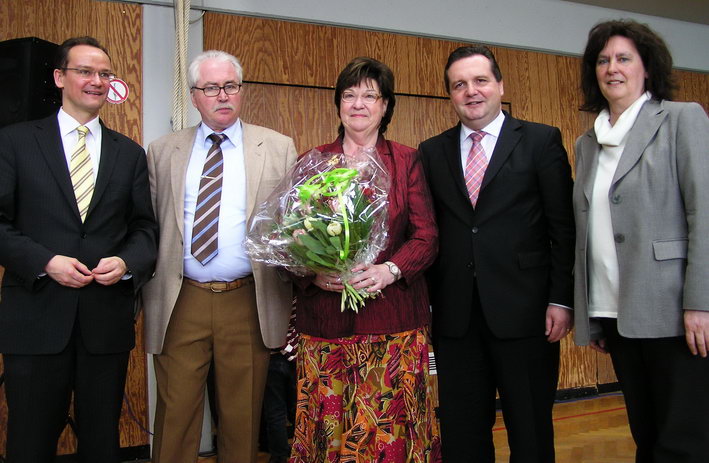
(641, 203)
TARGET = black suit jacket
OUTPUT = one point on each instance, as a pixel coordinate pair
(39, 219)
(518, 242)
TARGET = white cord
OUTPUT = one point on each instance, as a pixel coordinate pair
(179, 97)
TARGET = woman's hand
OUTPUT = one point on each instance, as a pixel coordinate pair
(696, 326)
(373, 277)
(328, 282)
(599, 345)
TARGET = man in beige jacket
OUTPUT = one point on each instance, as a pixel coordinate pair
(208, 301)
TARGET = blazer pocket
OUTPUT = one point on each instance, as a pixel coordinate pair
(670, 249)
(533, 259)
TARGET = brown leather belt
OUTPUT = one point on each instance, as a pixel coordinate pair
(222, 286)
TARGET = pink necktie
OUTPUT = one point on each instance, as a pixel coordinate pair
(475, 167)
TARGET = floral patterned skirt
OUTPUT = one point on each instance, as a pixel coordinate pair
(366, 399)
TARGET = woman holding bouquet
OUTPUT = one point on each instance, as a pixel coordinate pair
(364, 390)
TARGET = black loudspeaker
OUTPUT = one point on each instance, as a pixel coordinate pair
(27, 89)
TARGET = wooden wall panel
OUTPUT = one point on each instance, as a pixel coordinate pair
(309, 115)
(539, 86)
(117, 26)
(693, 86)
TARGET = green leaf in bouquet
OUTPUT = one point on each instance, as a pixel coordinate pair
(312, 244)
(319, 225)
(336, 243)
(315, 257)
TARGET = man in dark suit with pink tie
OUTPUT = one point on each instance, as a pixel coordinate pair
(502, 284)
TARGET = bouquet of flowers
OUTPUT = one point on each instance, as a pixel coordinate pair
(328, 215)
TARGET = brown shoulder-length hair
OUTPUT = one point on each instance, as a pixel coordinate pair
(362, 69)
(654, 53)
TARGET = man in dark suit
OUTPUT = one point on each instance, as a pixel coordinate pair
(77, 240)
(502, 284)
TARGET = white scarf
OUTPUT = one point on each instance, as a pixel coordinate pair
(603, 272)
(615, 135)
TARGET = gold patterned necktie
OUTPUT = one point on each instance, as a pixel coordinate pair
(82, 173)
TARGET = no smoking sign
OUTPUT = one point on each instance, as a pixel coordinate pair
(117, 91)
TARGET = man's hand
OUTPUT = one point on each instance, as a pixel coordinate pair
(109, 270)
(696, 326)
(558, 323)
(68, 271)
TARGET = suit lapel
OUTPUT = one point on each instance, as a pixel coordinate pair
(254, 160)
(179, 159)
(451, 151)
(506, 142)
(50, 144)
(646, 125)
(109, 156)
(589, 163)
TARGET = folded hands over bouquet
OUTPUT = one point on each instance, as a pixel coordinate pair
(328, 217)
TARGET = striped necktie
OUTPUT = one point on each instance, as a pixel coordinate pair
(475, 167)
(205, 244)
(82, 173)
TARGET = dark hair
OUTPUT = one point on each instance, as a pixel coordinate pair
(471, 50)
(63, 53)
(362, 69)
(653, 51)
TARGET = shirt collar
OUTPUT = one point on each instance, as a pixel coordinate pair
(233, 133)
(493, 128)
(68, 124)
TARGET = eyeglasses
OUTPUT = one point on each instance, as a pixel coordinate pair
(86, 73)
(367, 98)
(214, 90)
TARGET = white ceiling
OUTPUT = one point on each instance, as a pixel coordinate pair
(696, 11)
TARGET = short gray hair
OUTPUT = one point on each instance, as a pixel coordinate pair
(193, 71)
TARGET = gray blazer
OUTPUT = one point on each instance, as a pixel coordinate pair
(268, 155)
(659, 199)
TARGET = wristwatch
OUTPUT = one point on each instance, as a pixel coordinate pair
(393, 269)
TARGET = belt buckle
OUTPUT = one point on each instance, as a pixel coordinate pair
(213, 289)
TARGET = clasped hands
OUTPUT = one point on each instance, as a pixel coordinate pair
(373, 278)
(70, 272)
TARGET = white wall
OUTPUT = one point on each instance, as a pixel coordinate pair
(158, 58)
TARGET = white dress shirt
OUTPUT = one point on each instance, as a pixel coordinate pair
(70, 136)
(231, 262)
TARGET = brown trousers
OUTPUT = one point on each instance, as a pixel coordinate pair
(206, 325)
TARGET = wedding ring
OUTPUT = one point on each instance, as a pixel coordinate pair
(374, 280)
(327, 285)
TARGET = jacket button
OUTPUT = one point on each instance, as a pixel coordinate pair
(616, 199)
(475, 229)
(619, 237)
(83, 235)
